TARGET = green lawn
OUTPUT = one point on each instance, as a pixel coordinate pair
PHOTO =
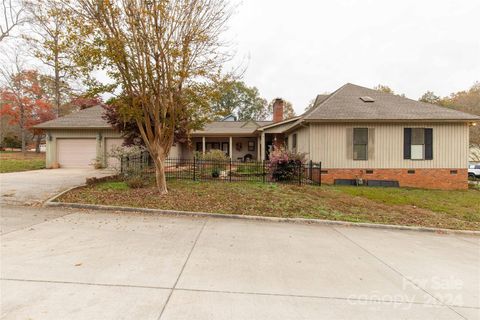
(414, 207)
(16, 161)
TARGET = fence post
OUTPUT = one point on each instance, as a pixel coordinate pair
(310, 170)
(320, 174)
(230, 171)
(194, 167)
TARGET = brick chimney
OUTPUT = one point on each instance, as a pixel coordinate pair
(278, 110)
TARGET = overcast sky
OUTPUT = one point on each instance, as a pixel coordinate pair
(297, 49)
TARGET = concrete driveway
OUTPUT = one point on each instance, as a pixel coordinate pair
(72, 264)
(30, 187)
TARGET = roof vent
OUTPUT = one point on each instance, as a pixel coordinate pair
(367, 99)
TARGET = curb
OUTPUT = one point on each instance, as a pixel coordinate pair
(52, 203)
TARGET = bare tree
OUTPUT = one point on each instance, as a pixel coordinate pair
(48, 39)
(164, 55)
(12, 16)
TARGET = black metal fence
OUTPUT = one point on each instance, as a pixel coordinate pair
(228, 170)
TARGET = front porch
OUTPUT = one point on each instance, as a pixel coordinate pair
(238, 148)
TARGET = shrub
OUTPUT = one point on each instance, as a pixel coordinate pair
(120, 152)
(285, 165)
(215, 172)
(212, 155)
(97, 163)
(212, 162)
(136, 182)
(11, 142)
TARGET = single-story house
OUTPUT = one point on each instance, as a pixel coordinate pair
(355, 132)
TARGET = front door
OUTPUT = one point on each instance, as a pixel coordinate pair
(225, 148)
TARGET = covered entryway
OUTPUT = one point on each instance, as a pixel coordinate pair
(76, 153)
(111, 143)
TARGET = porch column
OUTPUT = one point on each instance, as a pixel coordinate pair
(203, 145)
(262, 150)
(258, 148)
(230, 148)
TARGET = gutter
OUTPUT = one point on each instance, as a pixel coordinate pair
(391, 120)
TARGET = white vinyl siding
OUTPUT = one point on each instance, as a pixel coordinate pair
(328, 144)
(303, 137)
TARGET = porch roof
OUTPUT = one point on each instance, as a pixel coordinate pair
(231, 128)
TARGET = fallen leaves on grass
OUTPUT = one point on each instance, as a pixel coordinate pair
(286, 201)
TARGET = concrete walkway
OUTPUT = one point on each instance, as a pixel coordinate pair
(31, 187)
(72, 264)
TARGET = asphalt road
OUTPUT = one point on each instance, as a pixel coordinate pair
(74, 264)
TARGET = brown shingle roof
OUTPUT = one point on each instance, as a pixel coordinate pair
(346, 104)
(231, 127)
(90, 118)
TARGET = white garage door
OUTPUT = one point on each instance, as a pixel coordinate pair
(109, 144)
(76, 152)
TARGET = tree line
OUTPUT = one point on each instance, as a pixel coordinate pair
(162, 63)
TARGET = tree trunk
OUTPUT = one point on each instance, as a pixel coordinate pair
(160, 174)
(24, 142)
(37, 143)
(22, 128)
(57, 79)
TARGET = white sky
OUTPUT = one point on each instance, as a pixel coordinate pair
(297, 49)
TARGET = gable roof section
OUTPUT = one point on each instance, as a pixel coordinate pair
(90, 118)
(250, 124)
(320, 98)
(346, 104)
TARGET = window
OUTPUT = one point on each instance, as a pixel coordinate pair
(418, 144)
(360, 143)
(294, 141)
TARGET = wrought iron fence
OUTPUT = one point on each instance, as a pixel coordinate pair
(228, 170)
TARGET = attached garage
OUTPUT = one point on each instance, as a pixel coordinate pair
(80, 139)
(76, 152)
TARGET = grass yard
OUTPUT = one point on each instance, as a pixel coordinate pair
(414, 207)
(14, 161)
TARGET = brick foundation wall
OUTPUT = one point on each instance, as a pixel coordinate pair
(422, 178)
